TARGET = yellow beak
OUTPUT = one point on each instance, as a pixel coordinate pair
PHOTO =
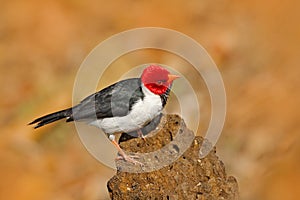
(172, 77)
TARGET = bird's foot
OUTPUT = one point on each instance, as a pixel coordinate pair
(130, 159)
(141, 135)
(123, 156)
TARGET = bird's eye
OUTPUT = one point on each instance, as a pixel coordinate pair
(160, 82)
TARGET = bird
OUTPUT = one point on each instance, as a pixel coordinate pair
(125, 106)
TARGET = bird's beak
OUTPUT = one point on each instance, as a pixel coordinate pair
(172, 77)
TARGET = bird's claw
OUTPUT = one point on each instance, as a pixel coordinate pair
(143, 138)
(130, 159)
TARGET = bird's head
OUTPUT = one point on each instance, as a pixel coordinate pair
(157, 79)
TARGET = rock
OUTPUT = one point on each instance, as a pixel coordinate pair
(172, 167)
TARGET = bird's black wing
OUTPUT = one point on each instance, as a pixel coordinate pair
(114, 100)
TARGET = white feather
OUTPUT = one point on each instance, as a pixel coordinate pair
(142, 112)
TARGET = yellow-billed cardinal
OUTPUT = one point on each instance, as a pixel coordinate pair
(125, 106)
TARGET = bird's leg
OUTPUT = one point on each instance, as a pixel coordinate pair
(122, 154)
(140, 134)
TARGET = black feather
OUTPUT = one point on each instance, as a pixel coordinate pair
(164, 97)
(112, 101)
(47, 119)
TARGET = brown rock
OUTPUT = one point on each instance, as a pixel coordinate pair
(172, 167)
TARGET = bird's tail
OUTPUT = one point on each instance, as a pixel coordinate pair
(47, 119)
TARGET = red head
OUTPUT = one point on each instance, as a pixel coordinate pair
(157, 79)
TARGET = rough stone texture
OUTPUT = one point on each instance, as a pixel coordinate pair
(188, 177)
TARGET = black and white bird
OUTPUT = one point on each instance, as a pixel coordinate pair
(125, 106)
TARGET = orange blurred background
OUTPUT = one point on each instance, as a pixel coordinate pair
(42, 44)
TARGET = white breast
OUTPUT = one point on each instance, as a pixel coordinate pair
(142, 112)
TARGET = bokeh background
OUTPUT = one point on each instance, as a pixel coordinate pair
(42, 44)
